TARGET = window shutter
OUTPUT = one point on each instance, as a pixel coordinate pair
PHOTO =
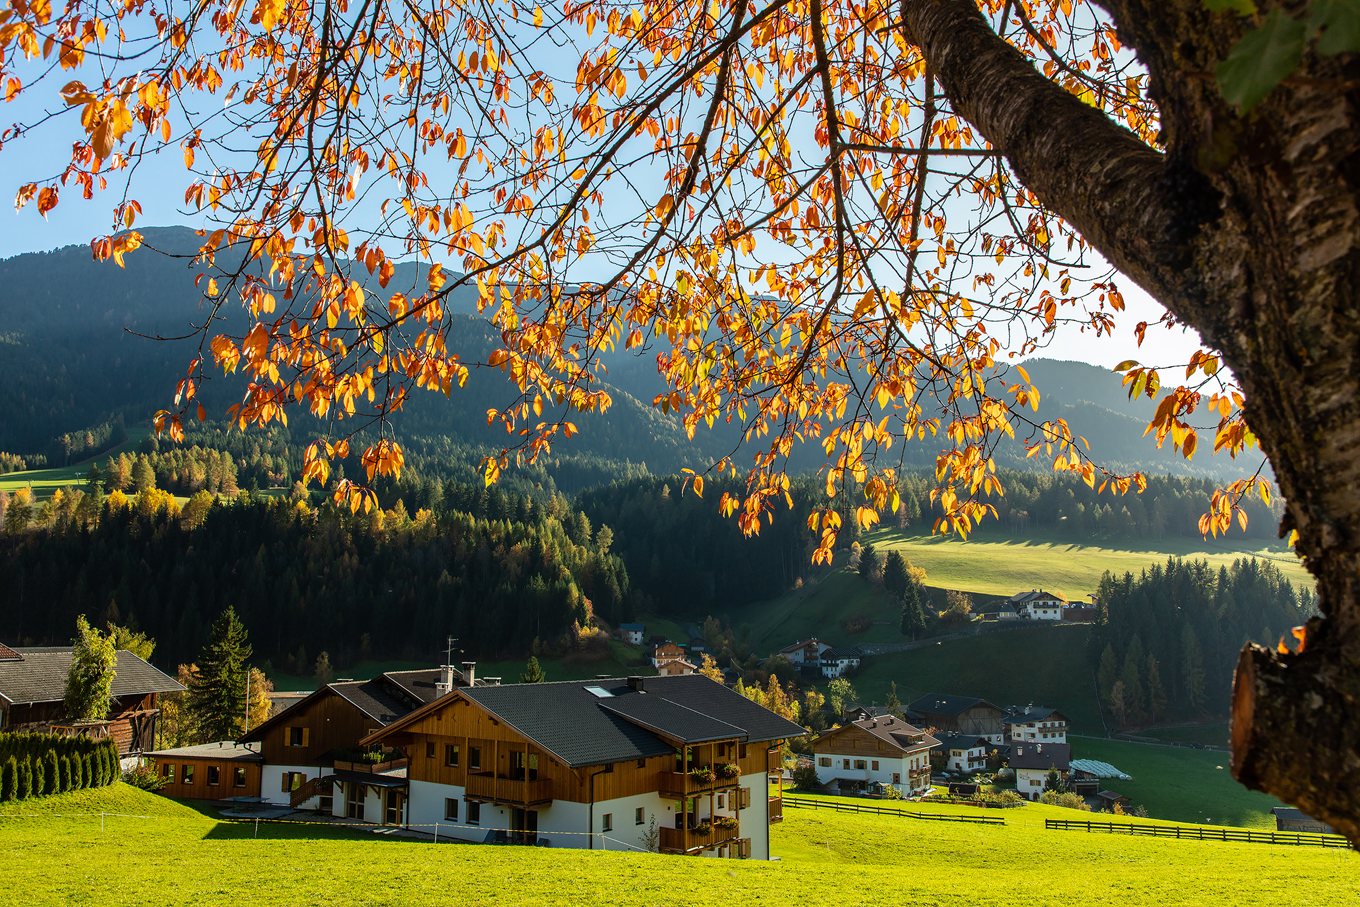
(744, 802)
(306, 735)
(287, 776)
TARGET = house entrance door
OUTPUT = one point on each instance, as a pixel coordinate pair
(354, 801)
(524, 826)
(392, 812)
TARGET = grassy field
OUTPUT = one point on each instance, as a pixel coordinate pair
(1043, 665)
(54, 853)
(1210, 734)
(1179, 783)
(821, 609)
(46, 481)
(996, 563)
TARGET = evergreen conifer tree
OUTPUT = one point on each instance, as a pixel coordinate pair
(1156, 704)
(533, 672)
(9, 780)
(896, 578)
(913, 616)
(218, 694)
(1108, 672)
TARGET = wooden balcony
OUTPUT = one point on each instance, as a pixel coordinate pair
(776, 809)
(681, 785)
(509, 791)
(373, 768)
(685, 840)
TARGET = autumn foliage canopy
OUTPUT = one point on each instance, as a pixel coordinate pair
(774, 199)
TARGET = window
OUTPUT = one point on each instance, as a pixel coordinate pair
(845, 763)
(720, 801)
(474, 813)
(293, 780)
(741, 752)
(214, 775)
(238, 776)
(354, 801)
(897, 778)
(859, 764)
(607, 822)
(188, 774)
(824, 761)
(639, 816)
(297, 736)
(875, 765)
(327, 804)
(451, 809)
(474, 756)
(429, 749)
(451, 754)
(168, 772)
(642, 763)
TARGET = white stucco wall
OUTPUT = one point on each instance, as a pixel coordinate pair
(271, 783)
(886, 768)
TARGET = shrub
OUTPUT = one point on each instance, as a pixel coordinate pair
(9, 779)
(25, 787)
(64, 770)
(52, 772)
(1070, 800)
(87, 769)
(805, 778)
(144, 776)
(40, 786)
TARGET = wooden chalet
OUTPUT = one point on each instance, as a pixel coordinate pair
(874, 753)
(33, 686)
(960, 715)
(210, 771)
(679, 765)
(307, 745)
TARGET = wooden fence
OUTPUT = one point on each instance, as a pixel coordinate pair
(1196, 833)
(805, 803)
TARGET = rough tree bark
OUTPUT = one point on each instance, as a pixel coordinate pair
(1246, 228)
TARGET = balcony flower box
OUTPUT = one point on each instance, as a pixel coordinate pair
(703, 775)
(729, 770)
(702, 830)
(725, 823)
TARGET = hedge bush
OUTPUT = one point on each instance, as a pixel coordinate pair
(34, 765)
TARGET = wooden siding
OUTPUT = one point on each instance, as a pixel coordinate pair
(467, 726)
(330, 722)
(855, 741)
(200, 789)
(132, 721)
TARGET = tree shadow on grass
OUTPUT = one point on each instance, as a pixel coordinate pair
(294, 830)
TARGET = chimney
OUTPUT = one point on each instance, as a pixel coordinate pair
(637, 684)
(470, 673)
(602, 676)
(444, 684)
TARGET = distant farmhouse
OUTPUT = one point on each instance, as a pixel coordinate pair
(33, 687)
(872, 753)
(961, 715)
(632, 633)
(1034, 763)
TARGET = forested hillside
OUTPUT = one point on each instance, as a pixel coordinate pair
(1166, 642)
(499, 571)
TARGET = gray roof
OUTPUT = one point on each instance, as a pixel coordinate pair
(635, 628)
(582, 728)
(1016, 715)
(1041, 756)
(39, 675)
(419, 685)
(945, 704)
(893, 731)
(385, 698)
(227, 751)
(961, 741)
(374, 699)
(842, 652)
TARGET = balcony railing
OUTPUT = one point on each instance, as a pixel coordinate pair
(682, 784)
(687, 840)
(776, 809)
(369, 767)
(510, 791)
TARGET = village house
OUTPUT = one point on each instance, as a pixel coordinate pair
(836, 661)
(960, 715)
(666, 652)
(1033, 762)
(806, 652)
(874, 751)
(1034, 725)
(681, 765)
(632, 633)
(676, 668)
(312, 758)
(1037, 604)
(962, 752)
(210, 771)
(33, 687)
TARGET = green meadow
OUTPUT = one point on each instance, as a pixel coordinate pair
(994, 562)
(165, 853)
(45, 481)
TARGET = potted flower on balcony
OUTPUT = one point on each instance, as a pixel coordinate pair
(729, 770)
(725, 823)
(702, 830)
(703, 774)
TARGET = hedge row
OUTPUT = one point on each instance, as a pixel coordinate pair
(34, 765)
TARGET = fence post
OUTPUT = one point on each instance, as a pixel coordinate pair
(257, 826)
(101, 823)
(436, 832)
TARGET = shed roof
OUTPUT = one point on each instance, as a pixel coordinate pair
(946, 704)
(39, 675)
(226, 750)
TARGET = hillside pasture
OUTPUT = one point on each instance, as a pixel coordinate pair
(45, 481)
(993, 562)
(159, 851)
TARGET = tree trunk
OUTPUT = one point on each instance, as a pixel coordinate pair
(1247, 229)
